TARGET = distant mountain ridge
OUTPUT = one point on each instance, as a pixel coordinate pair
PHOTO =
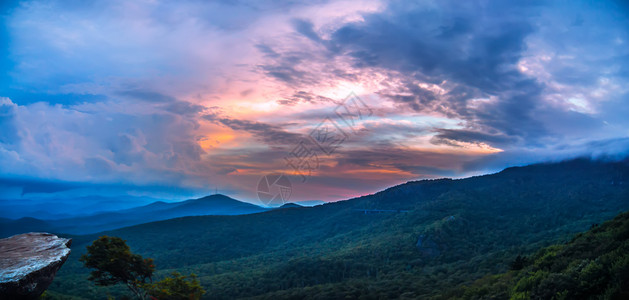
(68, 207)
(9, 227)
(290, 205)
(310, 202)
(210, 205)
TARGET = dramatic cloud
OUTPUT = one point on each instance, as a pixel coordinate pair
(158, 96)
(269, 134)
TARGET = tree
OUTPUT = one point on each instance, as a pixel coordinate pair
(519, 263)
(114, 263)
(176, 287)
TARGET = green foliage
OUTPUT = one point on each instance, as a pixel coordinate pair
(114, 263)
(518, 263)
(594, 265)
(177, 287)
(470, 228)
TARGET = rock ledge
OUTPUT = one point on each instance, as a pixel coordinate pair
(29, 262)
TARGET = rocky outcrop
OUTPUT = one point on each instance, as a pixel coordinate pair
(29, 262)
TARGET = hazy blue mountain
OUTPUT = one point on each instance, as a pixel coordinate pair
(310, 202)
(290, 205)
(61, 208)
(210, 205)
(9, 227)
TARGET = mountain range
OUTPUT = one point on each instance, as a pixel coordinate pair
(211, 205)
(415, 240)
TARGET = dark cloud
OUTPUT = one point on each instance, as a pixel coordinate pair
(470, 49)
(399, 157)
(164, 102)
(8, 126)
(61, 189)
(473, 47)
(411, 95)
(285, 71)
(269, 134)
(34, 185)
(126, 149)
(517, 75)
(267, 51)
(183, 108)
(303, 67)
(306, 28)
(147, 95)
(304, 97)
(445, 136)
(98, 166)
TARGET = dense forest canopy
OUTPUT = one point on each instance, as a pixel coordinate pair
(441, 233)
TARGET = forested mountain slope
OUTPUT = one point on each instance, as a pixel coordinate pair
(593, 265)
(432, 236)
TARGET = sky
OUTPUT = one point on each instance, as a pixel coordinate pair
(176, 99)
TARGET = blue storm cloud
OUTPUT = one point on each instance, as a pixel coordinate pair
(111, 92)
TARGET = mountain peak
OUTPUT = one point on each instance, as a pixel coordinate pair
(290, 205)
(217, 196)
(213, 198)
